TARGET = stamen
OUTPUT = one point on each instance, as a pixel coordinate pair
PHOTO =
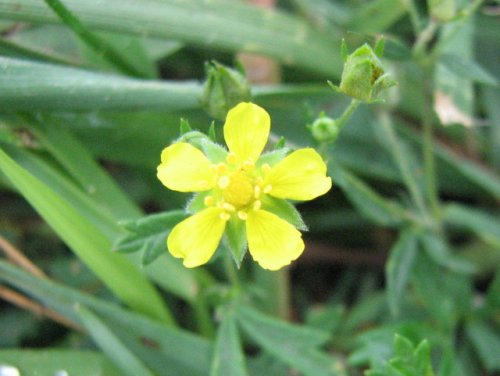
(223, 182)
(224, 216)
(221, 168)
(208, 200)
(268, 188)
(231, 158)
(248, 165)
(256, 205)
(228, 207)
(242, 215)
(256, 191)
(265, 168)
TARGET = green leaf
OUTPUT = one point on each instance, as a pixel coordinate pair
(485, 226)
(293, 345)
(273, 157)
(160, 346)
(467, 68)
(214, 152)
(380, 210)
(233, 27)
(92, 40)
(399, 267)
(228, 358)
(148, 234)
(80, 164)
(54, 361)
(236, 239)
(284, 210)
(90, 245)
(486, 341)
(111, 345)
(38, 86)
(438, 250)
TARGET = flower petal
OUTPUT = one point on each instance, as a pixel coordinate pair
(246, 131)
(196, 238)
(184, 168)
(300, 176)
(272, 242)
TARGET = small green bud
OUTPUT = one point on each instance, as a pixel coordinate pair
(223, 89)
(363, 77)
(442, 10)
(324, 129)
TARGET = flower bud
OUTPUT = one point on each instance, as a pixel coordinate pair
(363, 77)
(324, 129)
(223, 89)
(442, 10)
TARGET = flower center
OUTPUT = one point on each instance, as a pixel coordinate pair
(239, 189)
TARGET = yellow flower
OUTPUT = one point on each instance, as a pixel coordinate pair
(237, 186)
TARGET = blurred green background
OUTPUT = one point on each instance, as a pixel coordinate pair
(401, 270)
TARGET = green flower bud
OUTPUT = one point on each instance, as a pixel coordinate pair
(223, 89)
(363, 77)
(325, 129)
(442, 10)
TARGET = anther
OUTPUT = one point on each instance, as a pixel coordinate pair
(208, 200)
(228, 207)
(256, 205)
(224, 216)
(223, 182)
(268, 188)
(242, 215)
(265, 168)
(256, 191)
(231, 158)
(221, 168)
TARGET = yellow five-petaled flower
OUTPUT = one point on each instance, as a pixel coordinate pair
(236, 189)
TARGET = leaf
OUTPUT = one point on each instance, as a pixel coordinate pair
(399, 267)
(148, 234)
(295, 346)
(467, 68)
(236, 239)
(38, 86)
(160, 346)
(284, 210)
(54, 361)
(90, 245)
(373, 206)
(485, 226)
(233, 27)
(111, 345)
(486, 342)
(228, 358)
(80, 164)
(438, 250)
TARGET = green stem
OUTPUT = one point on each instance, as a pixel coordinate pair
(400, 157)
(342, 120)
(424, 38)
(232, 274)
(276, 285)
(427, 147)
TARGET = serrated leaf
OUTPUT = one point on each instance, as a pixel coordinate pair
(284, 210)
(148, 234)
(236, 239)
